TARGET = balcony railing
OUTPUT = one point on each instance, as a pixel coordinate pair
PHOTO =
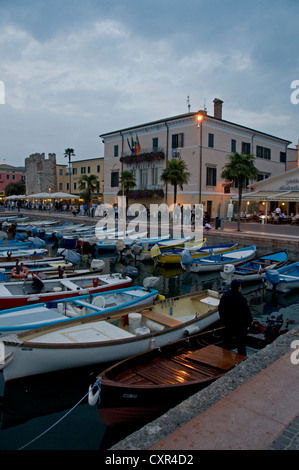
(145, 193)
(144, 156)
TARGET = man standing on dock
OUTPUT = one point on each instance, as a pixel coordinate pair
(236, 316)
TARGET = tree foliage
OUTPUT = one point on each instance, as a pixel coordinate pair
(239, 167)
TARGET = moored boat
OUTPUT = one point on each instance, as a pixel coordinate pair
(217, 261)
(178, 254)
(104, 338)
(282, 279)
(31, 291)
(84, 304)
(252, 270)
(148, 384)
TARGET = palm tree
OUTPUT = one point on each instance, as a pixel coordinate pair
(127, 181)
(89, 185)
(176, 174)
(68, 153)
(239, 167)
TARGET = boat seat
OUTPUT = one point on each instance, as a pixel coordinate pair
(86, 304)
(160, 318)
(69, 284)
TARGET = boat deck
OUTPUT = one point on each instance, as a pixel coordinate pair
(185, 366)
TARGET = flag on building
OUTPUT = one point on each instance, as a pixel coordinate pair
(137, 146)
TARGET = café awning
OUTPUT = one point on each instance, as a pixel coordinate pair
(257, 196)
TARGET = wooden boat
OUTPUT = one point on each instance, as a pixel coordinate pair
(83, 304)
(35, 290)
(175, 255)
(216, 262)
(282, 279)
(110, 244)
(17, 254)
(10, 261)
(40, 266)
(148, 384)
(144, 250)
(104, 338)
(252, 270)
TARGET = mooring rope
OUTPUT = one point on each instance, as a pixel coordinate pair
(96, 384)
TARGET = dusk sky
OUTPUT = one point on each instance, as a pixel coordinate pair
(72, 70)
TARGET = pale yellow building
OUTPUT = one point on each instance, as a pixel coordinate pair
(204, 146)
(69, 181)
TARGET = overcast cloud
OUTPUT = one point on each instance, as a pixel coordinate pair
(73, 70)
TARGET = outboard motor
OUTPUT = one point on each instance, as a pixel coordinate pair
(273, 325)
(227, 275)
(131, 272)
(273, 277)
(150, 282)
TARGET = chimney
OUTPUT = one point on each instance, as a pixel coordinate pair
(217, 108)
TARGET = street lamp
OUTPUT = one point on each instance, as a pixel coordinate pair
(200, 119)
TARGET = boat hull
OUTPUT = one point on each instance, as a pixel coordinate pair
(210, 264)
(14, 301)
(175, 258)
(32, 358)
(148, 384)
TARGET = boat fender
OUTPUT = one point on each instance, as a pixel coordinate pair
(160, 297)
(94, 397)
(191, 331)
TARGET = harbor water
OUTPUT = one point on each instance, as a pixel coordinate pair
(51, 412)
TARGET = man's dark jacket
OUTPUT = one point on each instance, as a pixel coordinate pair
(234, 312)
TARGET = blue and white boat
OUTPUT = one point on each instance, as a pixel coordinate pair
(253, 270)
(216, 262)
(282, 279)
(16, 320)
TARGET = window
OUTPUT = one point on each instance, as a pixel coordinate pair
(211, 140)
(143, 177)
(116, 150)
(60, 171)
(246, 147)
(177, 141)
(88, 169)
(114, 179)
(211, 176)
(263, 176)
(155, 144)
(13, 177)
(283, 157)
(68, 186)
(74, 171)
(60, 186)
(233, 145)
(75, 186)
(154, 176)
(7, 177)
(98, 168)
(263, 152)
(83, 170)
